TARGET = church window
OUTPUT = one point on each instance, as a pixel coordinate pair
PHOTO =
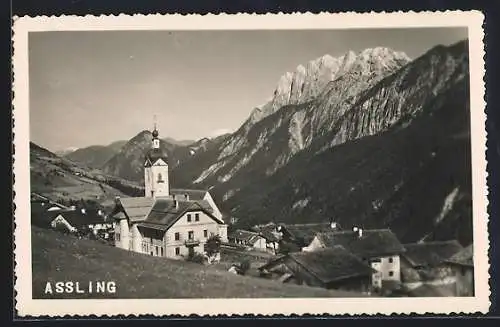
(189, 217)
(160, 178)
(196, 217)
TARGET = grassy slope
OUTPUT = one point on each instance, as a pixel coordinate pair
(58, 257)
(57, 178)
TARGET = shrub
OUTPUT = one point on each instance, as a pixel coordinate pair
(244, 266)
(196, 257)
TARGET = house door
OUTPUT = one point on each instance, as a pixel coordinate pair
(191, 251)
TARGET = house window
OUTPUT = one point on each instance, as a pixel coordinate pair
(191, 235)
(205, 233)
(177, 251)
(390, 260)
(196, 217)
(117, 237)
(391, 273)
(161, 250)
(177, 236)
(189, 217)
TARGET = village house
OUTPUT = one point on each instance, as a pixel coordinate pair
(72, 221)
(40, 204)
(331, 268)
(248, 239)
(424, 261)
(380, 248)
(462, 266)
(166, 222)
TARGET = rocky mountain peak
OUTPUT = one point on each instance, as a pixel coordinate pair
(309, 80)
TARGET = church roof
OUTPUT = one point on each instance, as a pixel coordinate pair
(154, 154)
(165, 212)
(161, 213)
(193, 194)
(136, 208)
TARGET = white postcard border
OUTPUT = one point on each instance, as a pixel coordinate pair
(26, 306)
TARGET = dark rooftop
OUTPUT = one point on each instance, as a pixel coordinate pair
(372, 243)
(332, 264)
(431, 253)
(464, 257)
(244, 235)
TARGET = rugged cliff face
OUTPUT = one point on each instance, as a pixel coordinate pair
(305, 105)
(384, 143)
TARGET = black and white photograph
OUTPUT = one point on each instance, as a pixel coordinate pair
(226, 163)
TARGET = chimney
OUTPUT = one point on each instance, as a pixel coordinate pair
(186, 197)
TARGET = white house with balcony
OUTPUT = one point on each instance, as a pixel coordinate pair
(166, 222)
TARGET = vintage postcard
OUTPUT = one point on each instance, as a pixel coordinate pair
(250, 164)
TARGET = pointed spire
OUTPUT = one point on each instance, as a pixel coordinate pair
(156, 141)
(155, 131)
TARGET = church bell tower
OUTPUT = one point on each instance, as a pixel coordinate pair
(156, 169)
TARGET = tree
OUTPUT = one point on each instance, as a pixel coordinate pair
(212, 247)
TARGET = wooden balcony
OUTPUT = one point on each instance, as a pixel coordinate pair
(191, 242)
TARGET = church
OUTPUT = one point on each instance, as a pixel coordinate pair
(166, 222)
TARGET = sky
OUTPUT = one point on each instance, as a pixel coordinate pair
(97, 87)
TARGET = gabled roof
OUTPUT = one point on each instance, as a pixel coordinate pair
(372, 243)
(464, 257)
(153, 155)
(328, 265)
(244, 235)
(269, 236)
(430, 253)
(78, 219)
(306, 231)
(193, 194)
(74, 217)
(332, 264)
(164, 213)
(136, 208)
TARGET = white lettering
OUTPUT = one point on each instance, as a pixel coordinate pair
(60, 287)
(69, 287)
(78, 290)
(111, 287)
(101, 287)
(48, 288)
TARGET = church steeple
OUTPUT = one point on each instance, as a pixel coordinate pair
(156, 140)
(156, 169)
